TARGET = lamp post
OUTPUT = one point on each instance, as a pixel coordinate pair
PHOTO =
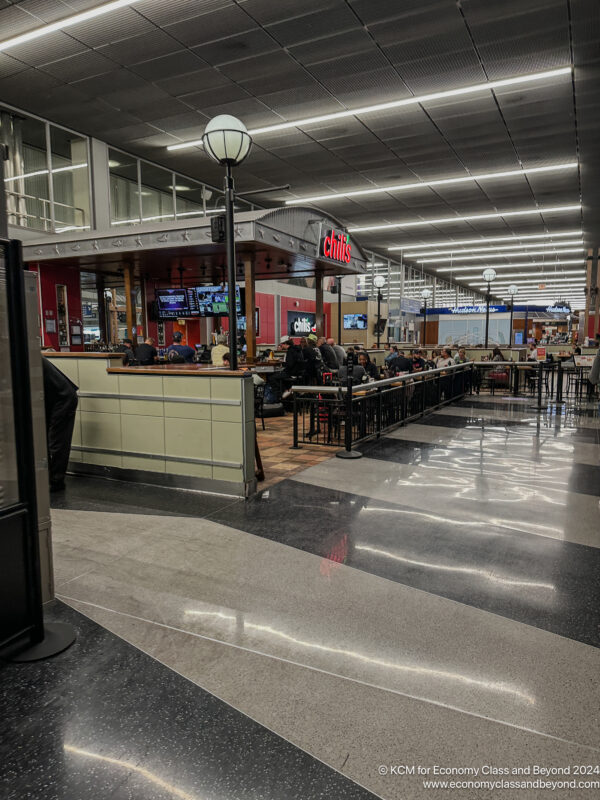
(489, 275)
(512, 290)
(378, 283)
(425, 295)
(227, 142)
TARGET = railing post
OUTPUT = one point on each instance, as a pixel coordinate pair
(559, 383)
(348, 452)
(379, 410)
(539, 388)
(295, 446)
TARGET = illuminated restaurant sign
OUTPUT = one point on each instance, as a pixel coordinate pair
(558, 310)
(337, 246)
(475, 309)
(301, 323)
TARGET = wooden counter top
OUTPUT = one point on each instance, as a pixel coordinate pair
(56, 354)
(181, 369)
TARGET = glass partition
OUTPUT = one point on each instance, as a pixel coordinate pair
(189, 197)
(125, 206)
(26, 171)
(157, 193)
(70, 180)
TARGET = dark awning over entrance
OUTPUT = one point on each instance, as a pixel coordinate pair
(282, 243)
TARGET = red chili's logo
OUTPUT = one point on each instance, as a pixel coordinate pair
(337, 246)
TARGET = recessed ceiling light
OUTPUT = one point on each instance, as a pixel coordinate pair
(402, 187)
(407, 101)
(468, 218)
(484, 239)
(67, 22)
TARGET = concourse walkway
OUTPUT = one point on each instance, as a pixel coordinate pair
(436, 602)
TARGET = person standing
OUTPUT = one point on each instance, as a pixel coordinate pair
(594, 376)
(60, 403)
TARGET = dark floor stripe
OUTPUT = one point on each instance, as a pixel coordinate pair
(532, 426)
(108, 699)
(521, 406)
(581, 478)
(547, 583)
(99, 494)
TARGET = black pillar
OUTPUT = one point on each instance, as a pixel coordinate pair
(230, 246)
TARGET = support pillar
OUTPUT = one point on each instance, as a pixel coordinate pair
(249, 277)
(130, 302)
(589, 295)
(101, 309)
(319, 305)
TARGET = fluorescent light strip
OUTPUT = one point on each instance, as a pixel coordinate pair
(469, 217)
(403, 187)
(483, 240)
(44, 172)
(533, 284)
(407, 101)
(510, 266)
(459, 257)
(493, 249)
(36, 33)
(562, 272)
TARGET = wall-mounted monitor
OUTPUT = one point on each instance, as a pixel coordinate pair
(197, 301)
(172, 303)
(355, 322)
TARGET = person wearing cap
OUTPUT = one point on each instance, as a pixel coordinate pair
(313, 360)
(184, 351)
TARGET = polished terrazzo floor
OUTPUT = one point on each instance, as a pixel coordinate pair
(435, 602)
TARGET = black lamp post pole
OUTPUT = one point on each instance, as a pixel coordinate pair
(424, 322)
(510, 333)
(378, 318)
(339, 330)
(487, 314)
(230, 247)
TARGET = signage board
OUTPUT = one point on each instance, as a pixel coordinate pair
(410, 306)
(336, 246)
(541, 353)
(461, 310)
(301, 323)
(558, 309)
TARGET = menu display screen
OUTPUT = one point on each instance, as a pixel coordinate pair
(197, 301)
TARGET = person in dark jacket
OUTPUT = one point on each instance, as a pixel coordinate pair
(293, 368)
(146, 353)
(400, 364)
(313, 361)
(60, 402)
(328, 354)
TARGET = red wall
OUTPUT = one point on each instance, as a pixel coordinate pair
(50, 276)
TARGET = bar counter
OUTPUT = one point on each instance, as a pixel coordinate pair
(183, 425)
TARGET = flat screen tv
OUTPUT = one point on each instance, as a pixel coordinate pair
(197, 301)
(212, 301)
(172, 303)
(355, 322)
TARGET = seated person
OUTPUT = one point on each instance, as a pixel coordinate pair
(461, 356)
(400, 365)
(497, 355)
(391, 355)
(369, 367)
(146, 353)
(330, 360)
(177, 351)
(358, 375)
(219, 350)
(445, 359)
(418, 362)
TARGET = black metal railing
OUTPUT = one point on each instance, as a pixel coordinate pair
(337, 416)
